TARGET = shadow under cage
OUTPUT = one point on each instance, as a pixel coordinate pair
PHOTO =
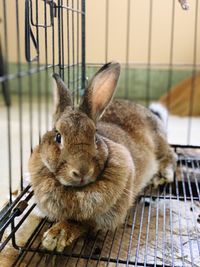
(42, 37)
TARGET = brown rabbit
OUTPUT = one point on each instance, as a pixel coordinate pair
(87, 173)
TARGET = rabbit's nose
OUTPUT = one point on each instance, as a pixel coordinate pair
(80, 173)
(75, 174)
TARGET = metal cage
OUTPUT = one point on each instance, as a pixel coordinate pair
(163, 227)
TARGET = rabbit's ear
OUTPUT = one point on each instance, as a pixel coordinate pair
(100, 91)
(62, 96)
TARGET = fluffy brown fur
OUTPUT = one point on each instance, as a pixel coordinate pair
(87, 173)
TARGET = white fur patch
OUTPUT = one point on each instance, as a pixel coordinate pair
(161, 110)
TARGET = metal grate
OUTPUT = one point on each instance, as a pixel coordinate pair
(162, 229)
(26, 88)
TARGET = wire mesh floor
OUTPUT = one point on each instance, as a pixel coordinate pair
(162, 229)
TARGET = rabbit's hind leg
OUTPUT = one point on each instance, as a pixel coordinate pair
(167, 166)
(163, 177)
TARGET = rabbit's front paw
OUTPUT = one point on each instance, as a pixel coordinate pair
(58, 237)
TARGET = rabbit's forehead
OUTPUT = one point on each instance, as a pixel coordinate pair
(75, 126)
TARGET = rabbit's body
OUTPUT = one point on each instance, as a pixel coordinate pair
(122, 119)
(88, 174)
(143, 134)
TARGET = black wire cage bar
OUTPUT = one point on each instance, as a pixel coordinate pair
(47, 48)
(163, 227)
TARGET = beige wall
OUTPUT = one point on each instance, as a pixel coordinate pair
(117, 35)
(139, 31)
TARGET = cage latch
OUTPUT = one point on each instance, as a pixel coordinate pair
(184, 4)
(29, 21)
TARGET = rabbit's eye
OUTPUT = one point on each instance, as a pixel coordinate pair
(58, 138)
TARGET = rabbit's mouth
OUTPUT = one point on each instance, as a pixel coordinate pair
(76, 183)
